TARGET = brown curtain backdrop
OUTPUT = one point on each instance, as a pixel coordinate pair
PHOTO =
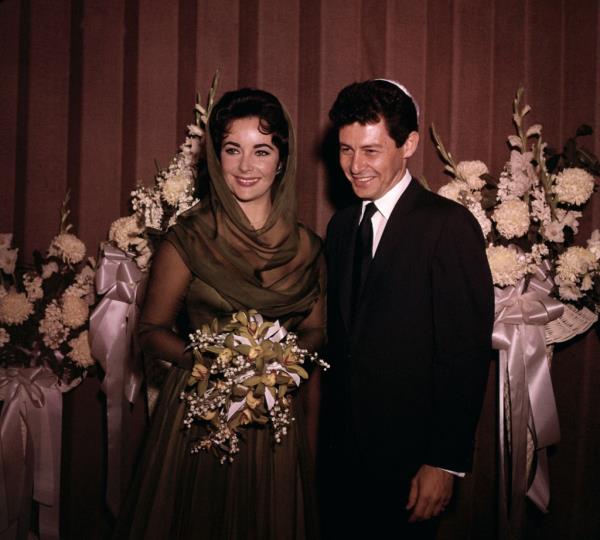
(94, 92)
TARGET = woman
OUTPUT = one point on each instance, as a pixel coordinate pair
(240, 248)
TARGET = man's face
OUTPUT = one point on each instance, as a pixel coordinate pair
(371, 160)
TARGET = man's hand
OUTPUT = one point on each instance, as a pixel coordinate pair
(430, 492)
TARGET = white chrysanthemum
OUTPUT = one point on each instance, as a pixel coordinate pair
(49, 269)
(75, 311)
(575, 263)
(33, 287)
(512, 218)
(80, 350)
(15, 308)
(573, 186)
(68, 248)
(4, 337)
(594, 243)
(53, 331)
(479, 213)
(176, 188)
(454, 190)
(506, 264)
(125, 231)
(470, 172)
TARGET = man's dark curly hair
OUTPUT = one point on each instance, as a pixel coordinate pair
(245, 103)
(369, 102)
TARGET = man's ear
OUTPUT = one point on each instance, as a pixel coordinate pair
(410, 144)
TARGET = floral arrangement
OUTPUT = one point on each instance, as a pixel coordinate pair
(156, 208)
(529, 215)
(243, 374)
(44, 310)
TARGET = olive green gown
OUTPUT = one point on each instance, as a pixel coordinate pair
(266, 493)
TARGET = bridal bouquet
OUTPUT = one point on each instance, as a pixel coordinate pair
(44, 310)
(243, 374)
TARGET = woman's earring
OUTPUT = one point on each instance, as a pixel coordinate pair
(279, 168)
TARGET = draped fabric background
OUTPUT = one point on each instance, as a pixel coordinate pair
(94, 92)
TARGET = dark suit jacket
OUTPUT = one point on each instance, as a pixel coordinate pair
(408, 377)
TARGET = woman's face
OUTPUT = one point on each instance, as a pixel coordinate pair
(249, 160)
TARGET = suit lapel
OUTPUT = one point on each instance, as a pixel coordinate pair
(392, 235)
(347, 242)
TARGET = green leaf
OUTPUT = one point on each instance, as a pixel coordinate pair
(252, 381)
(299, 370)
(202, 387)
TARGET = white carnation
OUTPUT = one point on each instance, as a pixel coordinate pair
(573, 186)
(470, 172)
(454, 190)
(80, 350)
(506, 264)
(75, 311)
(594, 243)
(68, 248)
(512, 218)
(15, 308)
(4, 337)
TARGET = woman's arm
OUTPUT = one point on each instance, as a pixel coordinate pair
(165, 295)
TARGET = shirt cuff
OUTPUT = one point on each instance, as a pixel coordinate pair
(454, 473)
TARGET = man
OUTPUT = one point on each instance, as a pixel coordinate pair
(410, 315)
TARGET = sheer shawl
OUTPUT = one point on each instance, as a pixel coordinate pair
(274, 269)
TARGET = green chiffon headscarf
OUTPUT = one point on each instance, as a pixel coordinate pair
(274, 269)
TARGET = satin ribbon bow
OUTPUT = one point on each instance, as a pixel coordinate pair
(30, 460)
(112, 342)
(519, 335)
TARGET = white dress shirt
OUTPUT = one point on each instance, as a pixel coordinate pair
(385, 205)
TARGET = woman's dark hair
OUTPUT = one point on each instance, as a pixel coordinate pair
(248, 102)
(369, 102)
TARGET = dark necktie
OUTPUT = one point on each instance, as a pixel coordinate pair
(363, 254)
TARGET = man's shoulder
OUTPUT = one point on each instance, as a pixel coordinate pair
(444, 208)
(342, 218)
